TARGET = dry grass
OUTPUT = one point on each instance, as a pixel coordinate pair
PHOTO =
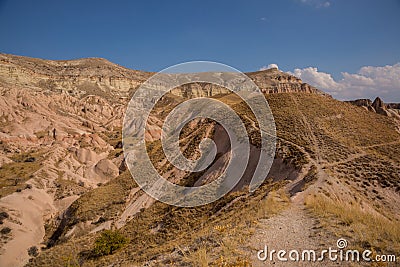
(66, 188)
(221, 229)
(368, 170)
(340, 129)
(369, 230)
(105, 201)
(199, 258)
(100, 204)
(14, 175)
(275, 202)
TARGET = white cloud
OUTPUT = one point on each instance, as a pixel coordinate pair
(368, 82)
(316, 3)
(326, 4)
(314, 77)
(273, 65)
(270, 66)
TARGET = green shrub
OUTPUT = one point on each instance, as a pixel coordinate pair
(108, 243)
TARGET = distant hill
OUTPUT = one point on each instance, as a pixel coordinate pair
(83, 76)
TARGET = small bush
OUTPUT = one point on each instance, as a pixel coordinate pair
(108, 243)
(33, 251)
(199, 258)
(5, 230)
(3, 215)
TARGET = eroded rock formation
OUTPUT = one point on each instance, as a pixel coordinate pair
(378, 106)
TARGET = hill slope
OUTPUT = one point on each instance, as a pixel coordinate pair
(63, 178)
(342, 164)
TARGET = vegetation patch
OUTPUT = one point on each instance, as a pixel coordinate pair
(368, 229)
(13, 175)
(108, 243)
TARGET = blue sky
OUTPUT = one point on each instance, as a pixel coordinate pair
(316, 37)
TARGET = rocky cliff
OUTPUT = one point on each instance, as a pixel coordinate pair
(274, 81)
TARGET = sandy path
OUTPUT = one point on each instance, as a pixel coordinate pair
(294, 228)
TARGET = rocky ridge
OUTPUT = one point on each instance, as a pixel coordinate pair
(378, 106)
(99, 76)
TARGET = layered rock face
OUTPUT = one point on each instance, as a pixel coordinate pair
(269, 81)
(274, 81)
(75, 77)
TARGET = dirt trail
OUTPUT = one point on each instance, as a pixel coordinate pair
(294, 228)
(346, 160)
